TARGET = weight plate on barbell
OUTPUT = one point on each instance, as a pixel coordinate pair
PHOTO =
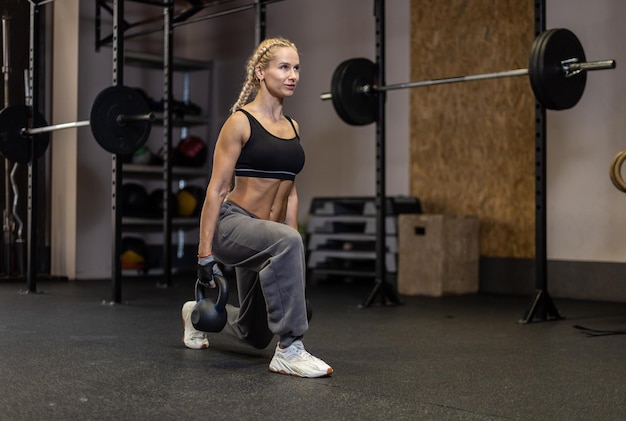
(354, 106)
(13, 145)
(545, 69)
(114, 137)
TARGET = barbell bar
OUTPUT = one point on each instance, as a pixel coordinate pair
(54, 127)
(120, 121)
(557, 72)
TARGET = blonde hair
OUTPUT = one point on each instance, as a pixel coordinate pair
(262, 55)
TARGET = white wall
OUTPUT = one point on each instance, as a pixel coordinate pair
(585, 211)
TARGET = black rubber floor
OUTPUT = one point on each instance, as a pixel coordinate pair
(66, 355)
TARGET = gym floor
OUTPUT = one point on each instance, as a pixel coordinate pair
(66, 354)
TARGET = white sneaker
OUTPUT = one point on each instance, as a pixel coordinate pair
(296, 361)
(193, 338)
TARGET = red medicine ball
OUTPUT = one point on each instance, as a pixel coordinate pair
(191, 152)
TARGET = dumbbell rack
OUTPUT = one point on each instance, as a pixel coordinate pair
(341, 236)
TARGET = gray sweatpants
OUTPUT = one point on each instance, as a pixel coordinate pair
(269, 263)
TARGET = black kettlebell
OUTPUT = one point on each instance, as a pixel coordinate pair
(207, 315)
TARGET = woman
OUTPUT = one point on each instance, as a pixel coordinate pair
(253, 227)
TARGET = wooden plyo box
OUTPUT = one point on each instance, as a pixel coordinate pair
(437, 254)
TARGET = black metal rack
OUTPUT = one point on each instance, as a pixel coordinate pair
(542, 308)
(166, 23)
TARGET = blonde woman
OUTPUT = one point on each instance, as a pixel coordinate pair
(253, 227)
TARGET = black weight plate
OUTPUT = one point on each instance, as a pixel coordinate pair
(532, 64)
(13, 145)
(118, 138)
(353, 106)
(547, 78)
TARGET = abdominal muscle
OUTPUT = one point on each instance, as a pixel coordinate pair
(265, 198)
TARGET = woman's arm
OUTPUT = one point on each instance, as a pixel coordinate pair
(227, 149)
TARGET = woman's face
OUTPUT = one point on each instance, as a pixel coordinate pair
(282, 73)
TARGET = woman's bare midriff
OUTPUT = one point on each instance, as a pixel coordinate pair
(265, 198)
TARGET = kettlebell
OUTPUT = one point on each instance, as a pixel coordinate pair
(207, 315)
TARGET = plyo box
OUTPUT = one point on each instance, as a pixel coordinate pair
(438, 254)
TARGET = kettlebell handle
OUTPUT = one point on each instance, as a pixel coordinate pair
(222, 292)
(207, 315)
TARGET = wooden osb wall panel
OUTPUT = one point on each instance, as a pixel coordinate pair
(472, 144)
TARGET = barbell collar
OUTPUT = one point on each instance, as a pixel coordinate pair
(54, 127)
(572, 67)
(122, 119)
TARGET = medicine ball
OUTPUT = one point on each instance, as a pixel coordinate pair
(155, 203)
(134, 200)
(190, 200)
(134, 253)
(142, 156)
(191, 152)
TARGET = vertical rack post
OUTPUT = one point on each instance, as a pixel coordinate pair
(33, 172)
(8, 220)
(542, 307)
(116, 170)
(259, 28)
(381, 286)
(168, 37)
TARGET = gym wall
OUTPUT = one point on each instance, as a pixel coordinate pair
(586, 233)
(340, 158)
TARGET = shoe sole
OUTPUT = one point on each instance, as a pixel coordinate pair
(204, 346)
(328, 373)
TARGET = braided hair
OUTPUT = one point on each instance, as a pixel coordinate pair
(261, 57)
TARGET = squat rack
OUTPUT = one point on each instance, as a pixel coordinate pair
(542, 307)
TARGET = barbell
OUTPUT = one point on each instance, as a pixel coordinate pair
(557, 70)
(120, 121)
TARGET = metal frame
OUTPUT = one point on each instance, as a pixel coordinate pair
(542, 308)
(170, 21)
(168, 58)
(33, 166)
(184, 17)
(382, 288)
(116, 162)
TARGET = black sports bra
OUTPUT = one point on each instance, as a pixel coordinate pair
(267, 156)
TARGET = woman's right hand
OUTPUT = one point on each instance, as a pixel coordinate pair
(207, 269)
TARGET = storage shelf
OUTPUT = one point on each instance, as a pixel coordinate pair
(157, 170)
(155, 61)
(183, 121)
(342, 235)
(158, 222)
